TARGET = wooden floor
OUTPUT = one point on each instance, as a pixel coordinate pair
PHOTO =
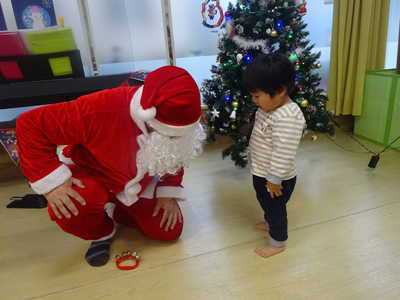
(344, 239)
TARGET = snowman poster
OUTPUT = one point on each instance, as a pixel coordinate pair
(34, 14)
(212, 13)
(3, 25)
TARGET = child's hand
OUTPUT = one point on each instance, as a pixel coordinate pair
(275, 190)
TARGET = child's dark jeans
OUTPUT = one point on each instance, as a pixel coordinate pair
(275, 208)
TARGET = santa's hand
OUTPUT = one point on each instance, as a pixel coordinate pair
(171, 213)
(59, 199)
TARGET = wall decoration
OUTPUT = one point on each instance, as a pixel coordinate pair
(8, 140)
(34, 14)
(212, 13)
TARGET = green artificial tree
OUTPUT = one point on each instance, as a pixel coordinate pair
(253, 27)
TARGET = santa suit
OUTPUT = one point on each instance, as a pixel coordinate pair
(104, 132)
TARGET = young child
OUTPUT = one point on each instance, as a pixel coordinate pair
(278, 127)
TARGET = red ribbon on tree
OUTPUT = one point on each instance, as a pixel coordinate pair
(303, 8)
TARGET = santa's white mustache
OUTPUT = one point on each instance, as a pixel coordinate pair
(167, 155)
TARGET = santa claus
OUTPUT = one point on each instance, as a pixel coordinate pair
(124, 160)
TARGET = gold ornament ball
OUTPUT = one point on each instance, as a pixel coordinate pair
(274, 33)
(318, 65)
(233, 126)
(304, 103)
(235, 104)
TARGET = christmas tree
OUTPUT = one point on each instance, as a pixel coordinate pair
(253, 27)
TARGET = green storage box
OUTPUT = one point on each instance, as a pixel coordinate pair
(50, 40)
(380, 119)
(60, 66)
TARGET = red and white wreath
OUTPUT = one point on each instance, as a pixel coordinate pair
(212, 13)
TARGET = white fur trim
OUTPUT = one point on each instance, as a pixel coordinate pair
(109, 207)
(140, 116)
(130, 193)
(170, 130)
(146, 114)
(170, 192)
(61, 157)
(148, 193)
(107, 236)
(124, 199)
(135, 107)
(52, 180)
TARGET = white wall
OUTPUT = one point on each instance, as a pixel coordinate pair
(110, 30)
(393, 34)
(394, 20)
(69, 10)
(319, 19)
(146, 29)
(127, 30)
(191, 37)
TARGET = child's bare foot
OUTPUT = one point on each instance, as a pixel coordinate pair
(262, 226)
(268, 250)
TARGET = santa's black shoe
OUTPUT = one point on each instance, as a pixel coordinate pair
(98, 253)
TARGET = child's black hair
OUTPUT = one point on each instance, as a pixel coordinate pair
(270, 73)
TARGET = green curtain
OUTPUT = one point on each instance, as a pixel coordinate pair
(358, 44)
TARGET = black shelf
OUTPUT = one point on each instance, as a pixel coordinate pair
(21, 94)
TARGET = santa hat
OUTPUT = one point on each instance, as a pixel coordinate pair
(169, 101)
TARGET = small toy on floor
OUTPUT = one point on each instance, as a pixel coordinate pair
(127, 256)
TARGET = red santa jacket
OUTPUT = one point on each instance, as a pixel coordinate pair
(103, 138)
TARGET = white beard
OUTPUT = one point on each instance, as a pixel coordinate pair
(162, 155)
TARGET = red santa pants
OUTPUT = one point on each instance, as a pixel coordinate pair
(92, 222)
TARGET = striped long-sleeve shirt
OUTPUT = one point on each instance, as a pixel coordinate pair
(274, 142)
